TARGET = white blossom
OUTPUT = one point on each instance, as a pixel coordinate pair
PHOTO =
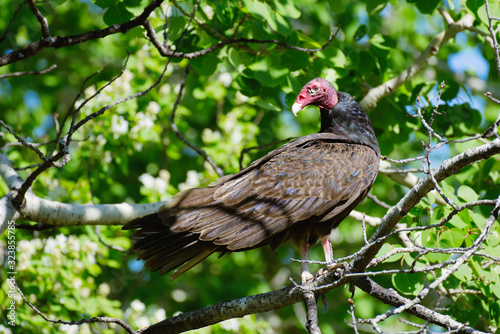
(90, 246)
(225, 78)
(241, 98)
(74, 243)
(69, 329)
(119, 126)
(48, 261)
(179, 295)
(236, 135)
(50, 246)
(26, 247)
(137, 306)
(108, 157)
(159, 315)
(153, 108)
(85, 292)
(157, 184)
(5, 330)
(144, 122)
(104, 289)
(232, 325)
(209, 12)
(142, 322)
(77, 283)
(61, 240)
(192, 180)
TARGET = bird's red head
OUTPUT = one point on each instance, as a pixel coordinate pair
(317, 92)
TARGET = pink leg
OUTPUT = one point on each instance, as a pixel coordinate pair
(327, 248)
(306, 275)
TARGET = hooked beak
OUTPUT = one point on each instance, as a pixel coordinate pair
(296, 107)
(300, 103)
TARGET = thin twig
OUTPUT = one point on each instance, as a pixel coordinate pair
(445, 273)
(493, 35)
(44, 25)
(181, 137)
(108, 320)
(18, 74)
(12, 19)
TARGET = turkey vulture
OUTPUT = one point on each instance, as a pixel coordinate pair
(298, 192)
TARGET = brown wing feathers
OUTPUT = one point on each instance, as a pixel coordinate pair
(306, 182)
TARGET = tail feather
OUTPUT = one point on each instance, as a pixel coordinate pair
(165, 250)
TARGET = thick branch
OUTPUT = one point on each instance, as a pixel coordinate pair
(377, 93)
(391, 297)
(449, 167)
(60, 214)
(263, 302)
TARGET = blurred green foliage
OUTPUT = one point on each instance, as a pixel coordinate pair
(236, 97)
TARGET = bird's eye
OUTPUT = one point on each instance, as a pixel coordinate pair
(315, 88)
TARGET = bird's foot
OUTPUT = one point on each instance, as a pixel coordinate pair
(336, 265)
(331, 267)
(306, 276)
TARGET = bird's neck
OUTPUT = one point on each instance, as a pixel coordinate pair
(349, 122)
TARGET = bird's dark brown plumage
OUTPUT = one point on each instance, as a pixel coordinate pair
(298, 192)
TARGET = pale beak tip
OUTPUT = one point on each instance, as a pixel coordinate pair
(296, 107)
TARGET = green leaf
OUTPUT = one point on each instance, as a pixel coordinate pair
(459, 222)
(176, 26)
(451, 91)
(132, 3)
(361, 32)
(495, 288)
(464, 273)
(426, 6)
(207, 64)
(385, 249)
(450, 238)
(409, 284)
(451, 282)
(267, 74)
(247, 86)
(234, 57)
(286, 8)
(224, 12)
(267, 105)
(117, 14)
(105, 3)
(467, 193)
(334, 56)
(263, 12)
(281, 24)
(375, 6)
(430, 239)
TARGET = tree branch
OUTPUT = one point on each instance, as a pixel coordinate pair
(18, 74)
(107, 320)
(391, 297)
(445, 273)
(62, 41)
(181, 137)
(4, 35)
(61, 214)
(263, 302)
(166, 52)
(449, 167)
(44, 25)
